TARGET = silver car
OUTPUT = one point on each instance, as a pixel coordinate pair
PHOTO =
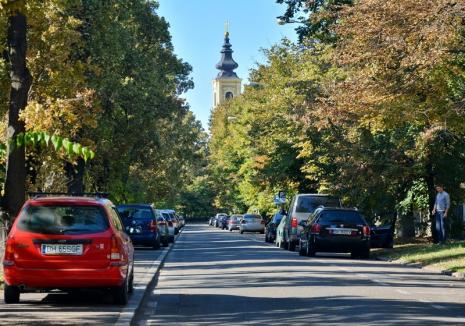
(252, 223)
(234, 222)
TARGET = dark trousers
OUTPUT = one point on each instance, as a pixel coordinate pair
(440, 227)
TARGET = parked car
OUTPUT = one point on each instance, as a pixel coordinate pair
(170, 215)
(211, 221)
(141, 224)
(252, 223)
(182, 221)
(68, 243)
(218, 218)
(300, 208)
(382, 236)
(336, 230)
(271, 227)
(167, 217)
(234, 222)
(164, 230)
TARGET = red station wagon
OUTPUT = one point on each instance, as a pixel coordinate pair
(66, 243)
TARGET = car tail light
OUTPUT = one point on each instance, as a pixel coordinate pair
(9, 259)
(115, 251)
(153, 226)
(316, 228)
(366, 231)
(230, 222)
(294, 222)
(162, 223)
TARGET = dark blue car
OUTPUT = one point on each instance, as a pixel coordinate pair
(141, 224)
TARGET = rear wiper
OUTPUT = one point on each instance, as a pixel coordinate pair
(73, 230)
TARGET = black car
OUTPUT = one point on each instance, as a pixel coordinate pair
(382, 236)
(140, 223)
(270, 229)
(335, 230)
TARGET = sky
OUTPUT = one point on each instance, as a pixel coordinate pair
(197, 30)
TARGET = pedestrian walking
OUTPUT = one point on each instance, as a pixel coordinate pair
(441, 210)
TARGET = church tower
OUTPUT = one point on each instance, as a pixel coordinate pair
(226, 85)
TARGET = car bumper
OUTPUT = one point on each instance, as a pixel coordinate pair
(341, 245)
(252, 228)
(143, 239)
(65, 278)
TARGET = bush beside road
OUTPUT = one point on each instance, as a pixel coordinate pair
(450, 257)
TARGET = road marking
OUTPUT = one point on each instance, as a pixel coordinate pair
(402, 292)
(380, 282)
(156, 292)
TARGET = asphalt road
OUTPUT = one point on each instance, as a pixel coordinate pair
(214, 277)
(83, 308)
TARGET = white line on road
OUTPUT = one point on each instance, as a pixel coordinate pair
(402, 292)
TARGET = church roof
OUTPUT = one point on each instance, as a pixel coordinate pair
(227, 63)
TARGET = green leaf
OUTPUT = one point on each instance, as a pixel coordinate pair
(57, 142)
(68, 146)
(77, 149)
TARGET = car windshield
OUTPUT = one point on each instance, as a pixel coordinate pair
(328, 217)
(308, 204)
(136, 213)
(63, 219)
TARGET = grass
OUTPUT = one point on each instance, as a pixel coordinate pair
(450, 256)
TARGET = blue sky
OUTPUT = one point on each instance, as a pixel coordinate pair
(197, 29)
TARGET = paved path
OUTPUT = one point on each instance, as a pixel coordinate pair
(214, 277)
(90, 307)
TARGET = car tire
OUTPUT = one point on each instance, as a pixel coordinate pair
(156, 244)
(242, 231)
(310, 249)
(131, 281)
(301, 249)
(230, 230)
(291, 246)
(364, 253)
(266, 238)
(166, 242)
(11, 294)
(121, 293)
(171, 239)
(262, 232)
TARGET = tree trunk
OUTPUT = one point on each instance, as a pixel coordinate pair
(75, 174)
(429, 179)
(21, 80)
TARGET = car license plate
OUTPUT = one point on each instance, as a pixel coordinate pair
(62, 249)
(342, 231)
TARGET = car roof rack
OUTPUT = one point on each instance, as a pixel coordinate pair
(36, 195)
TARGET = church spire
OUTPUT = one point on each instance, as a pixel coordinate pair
(227, 63)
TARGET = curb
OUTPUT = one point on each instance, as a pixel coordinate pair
(457, 275)
(127, 314)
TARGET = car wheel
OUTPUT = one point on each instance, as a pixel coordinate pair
(310, 249)
(131, 281)
(291, 246)
(266, 238)
(262, 232)
(11, 294)
(301, 249)
(242, 231)
(354, 254)
(230, 230)
(365, 253)
(166, 242)
(121, 293)
(171, 239)
(156, 244)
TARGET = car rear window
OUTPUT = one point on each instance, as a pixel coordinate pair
(348, 217)
(252, 217)
(167, 216)
(63, 219)
(308, 204)
(137, 213)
